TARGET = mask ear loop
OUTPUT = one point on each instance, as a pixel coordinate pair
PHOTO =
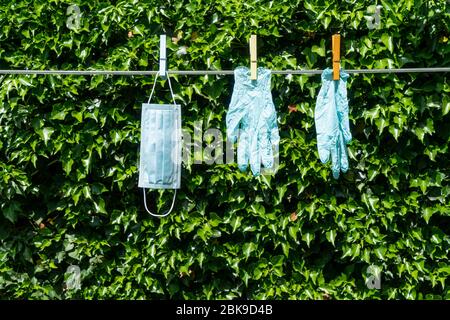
(175, 193)
(160, 215)
(170, 87)
(153, 88)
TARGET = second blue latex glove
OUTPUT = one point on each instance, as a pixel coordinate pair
(332, 123)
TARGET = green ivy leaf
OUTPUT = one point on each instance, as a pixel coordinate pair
(427, 213)
(308, 237)
(248, 248)
(387, 41)
(11, 211)
(331, 235)
(445, 105)
(46, 133)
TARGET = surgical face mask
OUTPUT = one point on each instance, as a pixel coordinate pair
(160, 150)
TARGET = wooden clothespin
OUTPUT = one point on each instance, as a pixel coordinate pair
(336, 47)
(162, 56)
(253, 59)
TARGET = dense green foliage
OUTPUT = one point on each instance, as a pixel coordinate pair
(69, 152)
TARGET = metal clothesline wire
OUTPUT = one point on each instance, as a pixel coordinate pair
(215, 72)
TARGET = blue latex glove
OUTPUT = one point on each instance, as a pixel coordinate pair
(252, 116)
(332, 124)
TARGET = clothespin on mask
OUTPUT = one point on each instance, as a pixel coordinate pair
(336, 48)
(253, 61)
(162, 56)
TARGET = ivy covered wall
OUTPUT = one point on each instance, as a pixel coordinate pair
(69, 153)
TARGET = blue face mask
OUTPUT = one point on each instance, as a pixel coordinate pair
(160, 150)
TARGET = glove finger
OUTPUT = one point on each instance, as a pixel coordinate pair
(233, 119)
(255, 157)
(236, 111)
(274, 136)
(335, 163)
(324, 147)
(271, 123)
(243, 150)
(322, 107)
(265, 146)
(275, 148)
(343, 154)
(342, 110)
(326, 120)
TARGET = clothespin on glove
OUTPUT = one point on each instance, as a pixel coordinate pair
(253, 61)
(162, 56)
(336, 47)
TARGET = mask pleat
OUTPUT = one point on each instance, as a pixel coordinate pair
(167, 145)
(151, 145)
(159, 154)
